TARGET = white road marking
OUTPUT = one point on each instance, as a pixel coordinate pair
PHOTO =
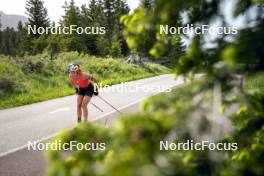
(25, 146)
(60, 110)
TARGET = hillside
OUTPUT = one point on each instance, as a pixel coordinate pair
(34, 78)
(11, 20)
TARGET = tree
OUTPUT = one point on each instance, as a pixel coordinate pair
(176, 49)
(98, 13)
(113, 10)
(0, 34)
(37, 16)
(90, 16)
(9, 42)
(72, 16)
(150, 36)
(92, 13)
(19, 35)
(122, 9)
(105, 13)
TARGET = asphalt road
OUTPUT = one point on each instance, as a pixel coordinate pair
(41, 121)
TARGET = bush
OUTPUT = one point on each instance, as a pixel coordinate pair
(30, 66)
(115, 50)
(6, 85)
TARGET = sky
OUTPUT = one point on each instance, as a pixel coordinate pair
(54, 7)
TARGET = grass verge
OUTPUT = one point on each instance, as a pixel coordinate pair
(34, 78)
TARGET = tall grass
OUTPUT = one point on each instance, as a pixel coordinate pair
(33, 79)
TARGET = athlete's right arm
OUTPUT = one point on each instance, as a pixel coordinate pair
(73, 85)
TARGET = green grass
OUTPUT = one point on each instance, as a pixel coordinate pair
(28, 80)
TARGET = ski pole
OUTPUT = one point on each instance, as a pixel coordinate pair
(109, 104)
(97, 107)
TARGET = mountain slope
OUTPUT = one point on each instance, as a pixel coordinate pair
(7, 20)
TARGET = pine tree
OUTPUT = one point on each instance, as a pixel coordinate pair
(107, 20)
(0, 36)
(37, 16)
(175, 50)
(150, 36)
(90, 16)
(37, 13)
(112, 10)
(20, 26)
(19, 35)
(122, 8)
(72, 16)
(9, 42)
(92, 13)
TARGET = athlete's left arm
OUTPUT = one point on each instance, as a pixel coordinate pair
(91, 78)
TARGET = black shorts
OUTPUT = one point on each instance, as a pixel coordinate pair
(87, 91)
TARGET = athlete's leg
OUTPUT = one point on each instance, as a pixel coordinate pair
(79, 107)
(86, 100)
